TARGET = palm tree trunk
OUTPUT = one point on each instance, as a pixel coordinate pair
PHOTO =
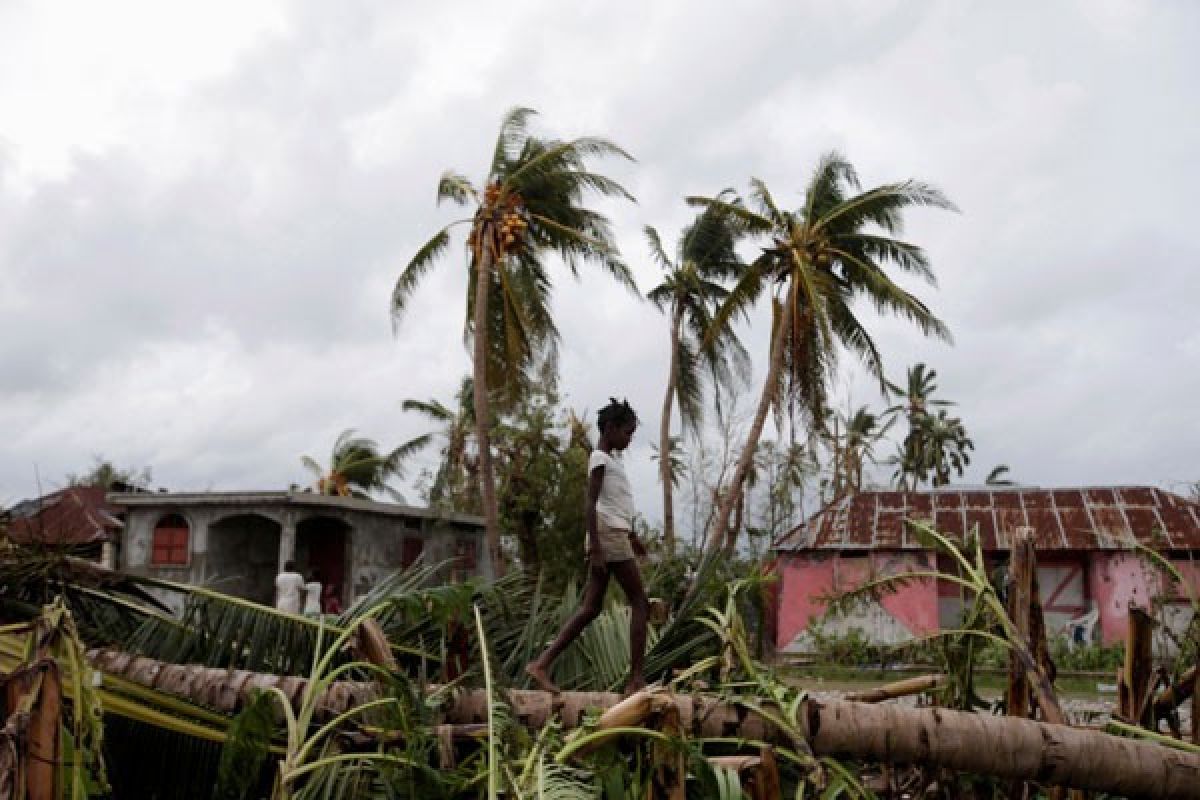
(487, 478)
(983, 744)
(730, 496)
(664, 438)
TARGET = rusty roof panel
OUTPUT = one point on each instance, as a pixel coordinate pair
(1067, 498)
(1076, 522)
(889, 529)
(1176, 522)
(1006, 500)
(1146, 526)
(1109, 526)
(1032, 500)
(947, 500)
(950, 523)
(1139, 496)
(1089, 518)
(986, 526)
(977, 500)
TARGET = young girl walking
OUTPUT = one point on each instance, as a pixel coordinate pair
(611, 548)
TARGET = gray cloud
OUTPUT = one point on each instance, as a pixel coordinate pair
(204, 286)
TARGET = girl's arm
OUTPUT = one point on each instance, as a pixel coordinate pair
(595, 482)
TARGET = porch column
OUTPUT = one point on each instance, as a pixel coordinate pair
(287, 540)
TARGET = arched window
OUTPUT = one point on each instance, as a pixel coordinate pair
(171, 544)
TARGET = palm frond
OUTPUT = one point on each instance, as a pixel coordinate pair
(457, 188)
(416, 269)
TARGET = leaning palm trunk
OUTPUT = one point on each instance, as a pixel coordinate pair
(485, 264)
(664, 437)
(722, 535)
(984, 744)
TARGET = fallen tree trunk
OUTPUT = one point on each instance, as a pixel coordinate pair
(984, 744)
(1001, 746)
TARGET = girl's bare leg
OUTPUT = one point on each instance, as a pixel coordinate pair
(593, 602)
(630, 578)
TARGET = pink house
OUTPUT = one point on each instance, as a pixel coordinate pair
(1083, 537)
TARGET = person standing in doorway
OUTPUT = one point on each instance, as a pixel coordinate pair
(312, 595)
(289, 585)
(611, 548)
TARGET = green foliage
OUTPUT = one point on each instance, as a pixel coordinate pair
(849, 648)
(240, 770)
(1086, 657)
(107, 475)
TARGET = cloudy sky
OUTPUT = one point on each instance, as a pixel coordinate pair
(203, 208)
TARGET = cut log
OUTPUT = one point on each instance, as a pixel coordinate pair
(904, 688)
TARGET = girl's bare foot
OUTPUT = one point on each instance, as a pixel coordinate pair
(536, 671)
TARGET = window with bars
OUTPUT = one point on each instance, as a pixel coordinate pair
(171, 542)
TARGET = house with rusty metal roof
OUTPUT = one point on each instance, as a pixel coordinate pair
(1088, 568)
(77, 517)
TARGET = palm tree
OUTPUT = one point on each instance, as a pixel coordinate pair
(690, 294)
(816, 261)
(854, 438)
(454, 485)
(357, 466)
(916, 399)
(945, 446)
(530, 206)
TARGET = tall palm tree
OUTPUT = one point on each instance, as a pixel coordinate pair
(816, 261)
(946, 447)
(690, 294)
(854, 438)
(529, 205)
(915, 399)
(358, 467)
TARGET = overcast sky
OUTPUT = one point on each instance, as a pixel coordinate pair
(204, 206)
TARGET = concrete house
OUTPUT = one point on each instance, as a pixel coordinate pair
(236, 542)
(1087, 570)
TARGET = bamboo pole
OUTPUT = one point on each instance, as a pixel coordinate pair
(904, 688)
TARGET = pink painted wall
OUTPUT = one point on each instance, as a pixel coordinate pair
(1117, 580)
(1114, 581)
(805, 579)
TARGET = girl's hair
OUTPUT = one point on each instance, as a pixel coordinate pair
(616, 413)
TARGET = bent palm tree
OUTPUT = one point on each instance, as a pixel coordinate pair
(816, 261)
(690, 294)
(530, 205)
(358, 467)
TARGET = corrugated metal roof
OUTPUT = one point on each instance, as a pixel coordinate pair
(1087, 518)
(75, 515)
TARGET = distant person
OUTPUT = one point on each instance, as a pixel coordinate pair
(289, 584)
(329, 600)
(312, 595)
(611, 548)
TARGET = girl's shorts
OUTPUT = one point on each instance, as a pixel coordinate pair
(613, 541)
